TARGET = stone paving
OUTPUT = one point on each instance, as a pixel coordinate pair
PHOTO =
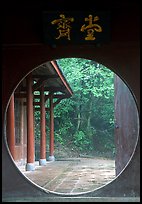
(74, 175)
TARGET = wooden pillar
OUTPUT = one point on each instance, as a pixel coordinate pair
(11, 126)
(30, 127)
(42, 160)
(22, 129)
(51, 151)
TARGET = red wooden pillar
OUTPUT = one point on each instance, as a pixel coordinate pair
(11, 126)
(30, 127)
(42, 160)
(22, 129)
(51, 151)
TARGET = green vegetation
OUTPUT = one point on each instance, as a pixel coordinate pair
(85, 122)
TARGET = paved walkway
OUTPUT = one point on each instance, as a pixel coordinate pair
(72, 176)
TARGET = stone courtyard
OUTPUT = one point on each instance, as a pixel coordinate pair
(72, 175)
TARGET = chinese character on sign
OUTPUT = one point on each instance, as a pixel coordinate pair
(63, 26)
(91, 28)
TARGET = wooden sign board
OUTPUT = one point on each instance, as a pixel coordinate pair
(76, 27)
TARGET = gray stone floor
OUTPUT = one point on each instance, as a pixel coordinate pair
(72, 176)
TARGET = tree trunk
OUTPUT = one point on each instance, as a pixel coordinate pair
(78, 119)
(90, 105)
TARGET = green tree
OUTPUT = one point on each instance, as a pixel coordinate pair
(90, 111)
(85, 122)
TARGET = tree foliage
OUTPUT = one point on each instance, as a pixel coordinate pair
(85, 122)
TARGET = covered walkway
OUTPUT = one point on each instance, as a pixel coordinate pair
(41, 90)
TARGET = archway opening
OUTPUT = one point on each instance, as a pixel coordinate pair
(85, 125)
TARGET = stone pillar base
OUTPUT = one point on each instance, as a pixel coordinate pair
(51, 158)
(42, 162)
(30, 167)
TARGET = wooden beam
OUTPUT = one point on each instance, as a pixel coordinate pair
(38, 84)
(57, 102)
(38, 109)
(43, 79)
(58, 96)
(61, 77)
(54, 76)
(50, 88)
(61, 96)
